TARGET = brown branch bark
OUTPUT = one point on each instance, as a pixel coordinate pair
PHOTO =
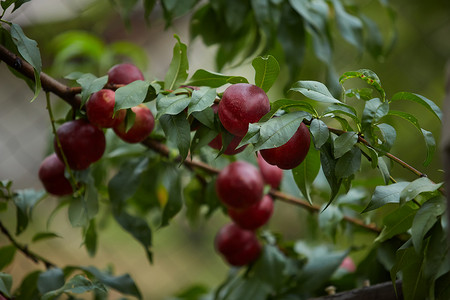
(382, 291)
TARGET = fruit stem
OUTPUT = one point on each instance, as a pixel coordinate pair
(66, 163)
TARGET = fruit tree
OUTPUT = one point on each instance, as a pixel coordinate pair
(298, 185)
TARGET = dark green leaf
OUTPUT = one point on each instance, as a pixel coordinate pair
(430, 143)
(206, 117)
(201, 99)
(344, 143)
(375, 42)
(369, 77)
(90, 84)
(6, 255)
(266, 71)
(271, 265)
(244, 288)
(425, 218)
(319, 131)
(179, 66)
(285, 104)
(277, 131)
(90, 238)
(306, 172)
(363, 94)
(329, 218)
(397, 222)
(25, 200)
(384, 170)
(314, 90)
(50, 280)
(428, 104)
(178, 132)
(341, 108)
(78, 284)
(172, 183)
(29, 50)
(44, 236)
(206, 78)
(373, 111)
(176, 8)
(385, 194)
(388, 135)
(7, 3)
(5, 284)
(351, 27)
(132, 94)
(171, 105)
(329, 169)
(138, 228)
(148, 6)
(418, 186)
(349, 163)
(28, 288)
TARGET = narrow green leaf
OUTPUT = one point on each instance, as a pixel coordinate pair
(350, 27)
(430, 144)
(77, 285)
(44, 236)
(252, 136)
(25, 200)
(285, 104)
(341, 108)
(384, 194)
(369, 77)
(349, 163)
(5, 284)
(344, 143)
(179, 66)
(178, 132)
(29, 50)
(425, 218)
(201, 99)
(418, 186)
(171, 104)
(428, 104)
(397, 222)
(388, 136)
(6, 255)
(172, 183)
(206, 78)
(271, 266)
(90, 238)
(319, 131)
(306, 172)
(132, 94)
(277, 131)
(28, 287)
(384, 170)
(206, 117)
(314, 90)
(328, 163)
(266, 71)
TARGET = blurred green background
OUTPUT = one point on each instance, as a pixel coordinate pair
(184, 254)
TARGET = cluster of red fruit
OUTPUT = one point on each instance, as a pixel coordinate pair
(240, 188)
(83, 141)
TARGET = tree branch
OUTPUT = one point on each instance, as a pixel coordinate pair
(24, 249)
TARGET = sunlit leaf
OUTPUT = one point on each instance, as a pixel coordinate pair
(179, 67)
(266, 71)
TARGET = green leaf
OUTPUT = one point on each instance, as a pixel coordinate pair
(44, 236)
(172, 183)
(329, 218)
(341, 108)
(138, 228)
(349, 163)
(344, 143)
(244, 288)
(285, 104)
(178, 132)
(28, 288)
(428, 104)
(123, 283)
(328, 163)
(319, 131)
(179, 66)
(271, 265)
(306, 172)
(171, 105)
(25, 200)
(5, 284)
(206, 78)
(375, 42)
(201, 99)
(6, 255)
(397, 222)
(132, 94)
(29, 50)
(77, 285)
(206, 117)
(266, 71)
(373, 111)
(314, 90)
(90, 84)
(84, 208)
(351, 27)
(388, 135)
(425, 218)
(384, 170)
(50, 280)
(430, 143)
(418, 186)
(384, 194)
(277, 131)
(90, 238)
(369, 77)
